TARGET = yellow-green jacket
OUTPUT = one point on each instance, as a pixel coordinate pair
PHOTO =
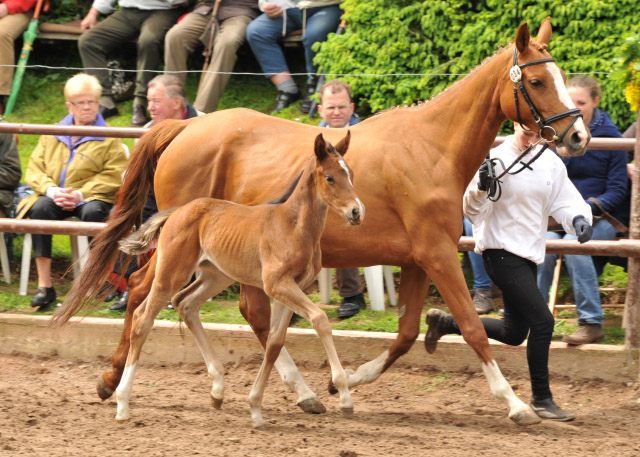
(94, 167)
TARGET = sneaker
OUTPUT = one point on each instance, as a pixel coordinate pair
(283, 100)
(351, 306)
(305, 107)
(586, 333)
(121, 304)
(547, 409)
(483, 300)
(439, 324)
(43, 298)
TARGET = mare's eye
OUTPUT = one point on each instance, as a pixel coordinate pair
(329, 179)
(536, 83)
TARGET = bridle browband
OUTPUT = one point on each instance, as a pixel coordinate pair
(515, 73)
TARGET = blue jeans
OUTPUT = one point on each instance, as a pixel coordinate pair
(481, 279)
(582, 272)
(264, 33)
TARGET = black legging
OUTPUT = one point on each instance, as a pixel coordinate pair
(525, 312)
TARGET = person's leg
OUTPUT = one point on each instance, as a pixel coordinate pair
(320, 23)
(228, 39)
(545, 271)
(93, 211)
(350, 289)
(181, 40)
(482, 293)
(11, 27)
(94, 45)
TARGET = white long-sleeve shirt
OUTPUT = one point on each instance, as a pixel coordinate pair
(517, 222)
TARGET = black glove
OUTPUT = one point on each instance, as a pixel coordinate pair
(583, 229)
(483, 173)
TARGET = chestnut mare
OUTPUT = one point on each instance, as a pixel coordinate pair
(412, 166)
(275, 247)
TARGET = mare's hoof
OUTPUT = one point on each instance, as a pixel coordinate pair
(216, 403)
(525, 418)
(103, 390)
(347, 412)
(332, 388)
(312, 406)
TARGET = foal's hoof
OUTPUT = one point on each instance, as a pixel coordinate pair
(347, 412)
(332, 388)
(216, 403)
(312, 405)
(525, 418)
(103, 390)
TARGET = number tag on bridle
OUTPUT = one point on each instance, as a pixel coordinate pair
(515, 73)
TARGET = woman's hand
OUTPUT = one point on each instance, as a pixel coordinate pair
(272, 10)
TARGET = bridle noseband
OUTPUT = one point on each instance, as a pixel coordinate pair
(515, 73)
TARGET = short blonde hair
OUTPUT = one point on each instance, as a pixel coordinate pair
(82, 83)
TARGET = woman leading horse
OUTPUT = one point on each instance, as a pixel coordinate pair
(411, 168)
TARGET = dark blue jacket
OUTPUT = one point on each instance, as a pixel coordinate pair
(600, 174)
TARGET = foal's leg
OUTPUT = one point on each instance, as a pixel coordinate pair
(256, 308)
(188, 303)
(280, 318)
(139, 287)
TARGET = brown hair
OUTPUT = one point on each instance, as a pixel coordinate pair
(588, 83)
(336, 86)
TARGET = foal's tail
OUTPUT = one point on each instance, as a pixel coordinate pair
(126, 215)
(139, 242)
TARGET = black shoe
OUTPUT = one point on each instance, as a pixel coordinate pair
(351, 306)
(43, 297)
(439, 324)
(139, 116)
(121, 304)
(311, 89)
(284, 99)
(108, 112)
(547, 409)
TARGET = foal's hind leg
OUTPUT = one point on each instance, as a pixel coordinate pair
(188, 303)
(256, 308)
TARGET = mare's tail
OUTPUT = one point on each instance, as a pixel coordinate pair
(126, 215)
(139, 242)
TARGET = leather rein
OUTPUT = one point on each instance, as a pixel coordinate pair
(515, 73)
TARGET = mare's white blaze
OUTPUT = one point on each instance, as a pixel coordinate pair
(292, 377)
(369, 371)
(563, 95)
(346, 169)
(123, 392)
(501, 389)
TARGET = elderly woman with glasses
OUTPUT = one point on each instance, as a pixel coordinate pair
(71, 176)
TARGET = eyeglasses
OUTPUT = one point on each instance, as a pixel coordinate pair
(88, 103)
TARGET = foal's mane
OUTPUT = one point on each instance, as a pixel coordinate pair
(287, 193)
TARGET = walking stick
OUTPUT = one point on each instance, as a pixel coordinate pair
(208, 50)
(321, 80)
(28, 37)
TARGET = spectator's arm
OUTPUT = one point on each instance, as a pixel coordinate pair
(90, 20)
(617, 179)
(36, 176)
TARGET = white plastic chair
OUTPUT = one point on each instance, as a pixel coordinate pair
(373, 277)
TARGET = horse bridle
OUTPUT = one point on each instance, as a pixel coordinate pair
(515, 73)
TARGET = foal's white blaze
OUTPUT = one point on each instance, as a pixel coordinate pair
(501, 389)
(123, 392)
(564, 97)
(346, 169)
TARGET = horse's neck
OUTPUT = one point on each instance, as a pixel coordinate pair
(304, 206)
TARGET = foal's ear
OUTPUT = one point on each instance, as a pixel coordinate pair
(522, 37)
(320, 148)
(343, 144)
(544, 34)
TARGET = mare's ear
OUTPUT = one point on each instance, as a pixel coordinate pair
(343, 144)
(544, 34)
(320, 148)
(522, 37)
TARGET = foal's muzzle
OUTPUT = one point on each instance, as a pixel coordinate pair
(355, 214)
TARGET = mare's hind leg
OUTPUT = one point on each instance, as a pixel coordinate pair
(256, 308)
(280, 318)
(188, 303)
(139, 287)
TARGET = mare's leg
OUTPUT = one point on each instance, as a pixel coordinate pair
(256, 308)
(188, 303)
(289, 293)
(280, 318)
(139, 286)
(414, 286)
(440, 260)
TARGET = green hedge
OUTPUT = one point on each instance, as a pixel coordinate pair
(452, 37)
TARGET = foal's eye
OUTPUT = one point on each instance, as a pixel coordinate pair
(329, 179)
(536, 83)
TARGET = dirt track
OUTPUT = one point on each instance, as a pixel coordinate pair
(48, 407)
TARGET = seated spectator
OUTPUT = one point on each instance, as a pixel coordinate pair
(183, 38)
(167, 100)
(71, 176)
(315, 18)
(482, 288)
(600, 175)
(10, 172)
(146, 21)
(14, 19)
